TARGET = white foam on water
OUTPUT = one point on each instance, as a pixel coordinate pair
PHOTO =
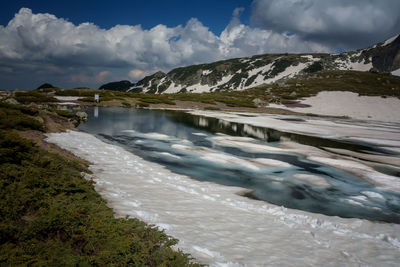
(221, 228)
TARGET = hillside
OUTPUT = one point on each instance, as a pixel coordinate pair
(243, 73)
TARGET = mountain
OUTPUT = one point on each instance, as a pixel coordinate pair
(45, 86)
(243, 73)
(117, 86)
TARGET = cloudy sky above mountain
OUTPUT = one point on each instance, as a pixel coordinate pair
(72, 44)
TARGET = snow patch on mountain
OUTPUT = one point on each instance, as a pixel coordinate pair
(243, 73)
(396, 72)
(390, 40)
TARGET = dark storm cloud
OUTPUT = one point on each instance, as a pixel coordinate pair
(346, 24)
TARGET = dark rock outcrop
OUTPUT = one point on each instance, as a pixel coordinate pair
(117, 86)
(45, 86)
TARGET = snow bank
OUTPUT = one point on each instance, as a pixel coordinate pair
(350, 104)
(221, 228)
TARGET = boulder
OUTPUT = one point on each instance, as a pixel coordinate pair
(83, 116)
(12, 101)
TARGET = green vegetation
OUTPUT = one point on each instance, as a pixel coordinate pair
(280, 66)
(19, 118)
(47, 90)
(154, 99)
(64, 113)
(142, 105)
(314, 67)
(51, 215)
(126, 104)
(363, 83)
(33, 97)
(286, 92)
(211, 108)
(231, 98)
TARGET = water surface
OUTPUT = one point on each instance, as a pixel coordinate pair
(196, 146)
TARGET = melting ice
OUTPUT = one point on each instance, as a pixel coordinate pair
(213, 221)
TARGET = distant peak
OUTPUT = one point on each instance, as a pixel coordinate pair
(46, 85)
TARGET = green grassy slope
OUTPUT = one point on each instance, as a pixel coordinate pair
(51, 216)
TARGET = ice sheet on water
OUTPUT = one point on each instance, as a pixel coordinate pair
(379, 179)
(200, 134)
(313, 179)
(223, 227)
(157, 136)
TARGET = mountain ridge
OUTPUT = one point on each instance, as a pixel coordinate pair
(243, 73)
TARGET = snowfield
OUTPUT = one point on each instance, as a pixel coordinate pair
(221, 228)
(337, 103)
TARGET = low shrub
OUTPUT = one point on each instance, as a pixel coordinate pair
(15, 119)
(288, 102)
(65, 113)
(51, 216)
(33, 97)
(142, 105)
(23, 109)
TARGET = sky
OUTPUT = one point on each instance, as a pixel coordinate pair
(88, 43)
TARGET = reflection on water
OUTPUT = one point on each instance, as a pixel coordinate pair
(213, 150)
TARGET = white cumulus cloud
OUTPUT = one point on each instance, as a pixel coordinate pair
(346, 24)
(42, 47)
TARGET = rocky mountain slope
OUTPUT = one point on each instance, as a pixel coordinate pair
(243, 73)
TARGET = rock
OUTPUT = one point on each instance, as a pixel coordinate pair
(82, 115)
(293, 93)
(257, 101)
(12, 101)
(39, 119)
(374, 70)
(273, 136)
(62, 107)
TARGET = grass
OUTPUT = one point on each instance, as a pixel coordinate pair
(19, 118)
(33, 97)
(65, 113)
(363, 83)
(52, 216)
